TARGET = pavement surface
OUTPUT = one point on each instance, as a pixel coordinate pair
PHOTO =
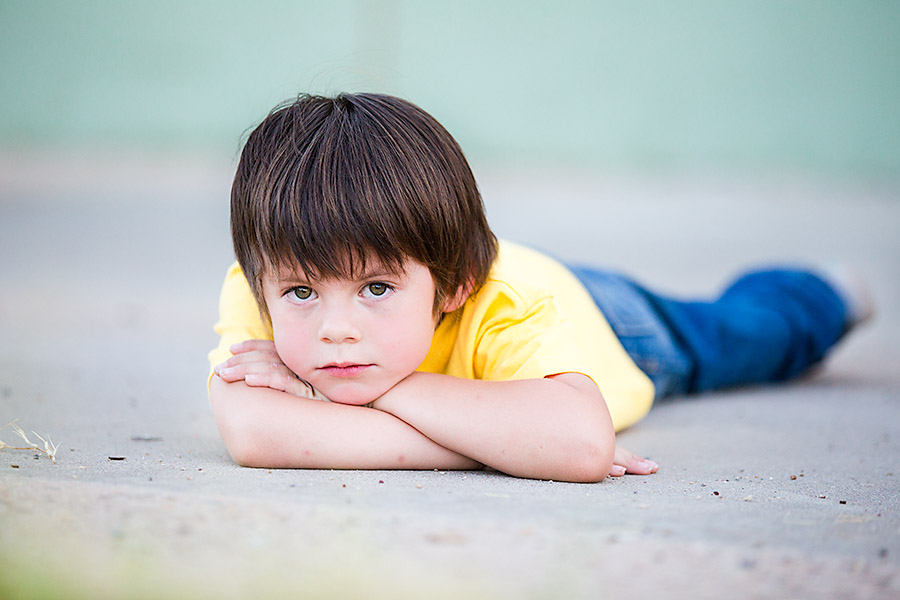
(108, 289)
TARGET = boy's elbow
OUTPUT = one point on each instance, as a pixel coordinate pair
(593, 450)
(243, 451)
(241, 445)
(584, 456)
(593, 460)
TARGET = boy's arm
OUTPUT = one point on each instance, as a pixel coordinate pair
(553, 428)
(263, 427)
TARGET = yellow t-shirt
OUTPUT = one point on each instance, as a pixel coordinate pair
(532, 318)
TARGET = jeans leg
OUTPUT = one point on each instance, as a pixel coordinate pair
(767, 326)
(640, 329)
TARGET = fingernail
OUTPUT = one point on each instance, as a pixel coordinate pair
(617, 470)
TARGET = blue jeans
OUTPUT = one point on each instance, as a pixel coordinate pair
(766, 326)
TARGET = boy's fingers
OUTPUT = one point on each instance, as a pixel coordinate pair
(249, 357)
(617, 471)
(231, 374)
(257, 363)
(643, 467)
(250, 345)
(622, 456)
(640, 467)
(633, 464)
(283, 381)
(234, 370)
(229, 378)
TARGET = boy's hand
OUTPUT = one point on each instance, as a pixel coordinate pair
(626, 462)
(258, 364)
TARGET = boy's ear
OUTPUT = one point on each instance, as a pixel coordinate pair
(456, 301)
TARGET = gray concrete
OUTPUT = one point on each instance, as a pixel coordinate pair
(107, 296)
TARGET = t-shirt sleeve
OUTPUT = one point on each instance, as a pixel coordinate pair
(527, 342)
(239, 317)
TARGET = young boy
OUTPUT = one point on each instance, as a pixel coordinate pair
(374, 321)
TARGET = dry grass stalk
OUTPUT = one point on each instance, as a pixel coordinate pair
(49, 447)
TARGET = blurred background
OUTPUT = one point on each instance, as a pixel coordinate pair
(803, 85)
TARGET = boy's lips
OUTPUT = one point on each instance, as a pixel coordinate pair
(344, 369)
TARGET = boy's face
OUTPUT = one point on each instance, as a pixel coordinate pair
(353, 339)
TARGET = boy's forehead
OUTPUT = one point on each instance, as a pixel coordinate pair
(291, 269)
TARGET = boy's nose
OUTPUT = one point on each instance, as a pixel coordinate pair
(337, 326)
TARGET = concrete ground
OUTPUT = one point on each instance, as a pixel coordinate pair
(108, 292)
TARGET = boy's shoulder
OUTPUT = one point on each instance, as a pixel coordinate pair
(524, 283)
(528, 273)
(524, 288)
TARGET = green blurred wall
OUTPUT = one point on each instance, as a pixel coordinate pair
(658, 84)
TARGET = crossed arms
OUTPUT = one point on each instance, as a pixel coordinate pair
(553, 428)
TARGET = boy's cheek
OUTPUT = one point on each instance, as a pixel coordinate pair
(290, 357)
(297, 369)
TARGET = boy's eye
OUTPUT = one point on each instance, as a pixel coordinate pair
(301, 293)
(377, 289)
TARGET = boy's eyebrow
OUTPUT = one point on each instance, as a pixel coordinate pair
(373, 269)
(291, 278)
(378, 270)
(287, 274)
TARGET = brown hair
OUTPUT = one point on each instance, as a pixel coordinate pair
(323, 183)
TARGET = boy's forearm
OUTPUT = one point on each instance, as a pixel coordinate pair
(545, 429)
(262, 427)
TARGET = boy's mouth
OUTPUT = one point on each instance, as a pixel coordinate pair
(344, 369)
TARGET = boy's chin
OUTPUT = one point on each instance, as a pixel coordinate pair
(354, 401)
(353, 397)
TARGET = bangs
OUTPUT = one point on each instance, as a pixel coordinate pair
(324, 219)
